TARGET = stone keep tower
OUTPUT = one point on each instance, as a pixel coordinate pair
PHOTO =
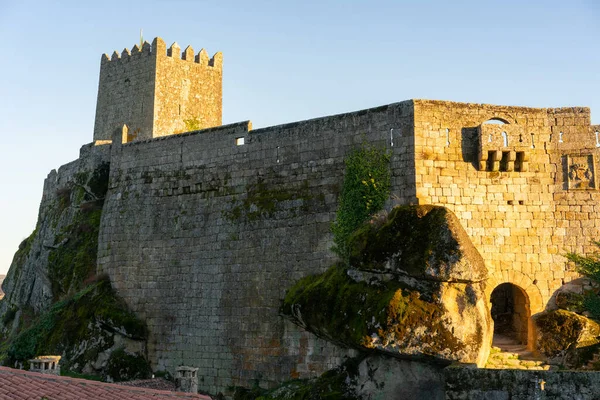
(158, 92)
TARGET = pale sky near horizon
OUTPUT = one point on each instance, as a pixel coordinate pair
(283, 61)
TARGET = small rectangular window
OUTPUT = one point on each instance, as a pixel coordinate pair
(239, 141)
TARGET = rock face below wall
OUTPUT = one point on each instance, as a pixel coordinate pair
(28, 283)
(55, 303)
(512, 384)
(414, 288)
(366, 377)
(567, 338)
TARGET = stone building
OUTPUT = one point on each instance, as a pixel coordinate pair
(158, 91)
(203, 231)
(49, 365)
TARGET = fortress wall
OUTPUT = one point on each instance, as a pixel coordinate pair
(126, 93)
(522, 222)
(202, 238)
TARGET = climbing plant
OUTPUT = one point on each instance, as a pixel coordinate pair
(589, 266)
(365, 189)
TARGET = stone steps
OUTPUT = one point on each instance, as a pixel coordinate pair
(521, 359)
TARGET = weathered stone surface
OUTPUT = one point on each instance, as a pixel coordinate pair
(423, 242)
(511, 384)
(365, 377)
(406, 313)
(202, 236)
(70, 311)
(158, 92)
(389, 378)
(27, 284)
(563, 336)
(196, 206)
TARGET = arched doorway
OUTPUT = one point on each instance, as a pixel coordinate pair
(510, 312)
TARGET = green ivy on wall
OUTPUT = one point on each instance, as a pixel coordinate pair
(364, 192)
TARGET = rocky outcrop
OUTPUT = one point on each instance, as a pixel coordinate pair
(414, 288)
(55, 303)
(567, 338)
(28, 283)
(423, 242)
(364, 377)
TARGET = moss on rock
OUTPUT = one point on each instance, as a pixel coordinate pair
(421, 241)
(317, 302)
(335, 384)
(124, 366)
(570, 301)
(70, 264)
(86, 319)
(412, 290)
(567, 337)
(387, 316)
(79, 327)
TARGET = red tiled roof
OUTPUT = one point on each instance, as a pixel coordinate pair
(24, 385)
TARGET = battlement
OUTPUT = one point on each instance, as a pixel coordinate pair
(158, 48)
(158, 91)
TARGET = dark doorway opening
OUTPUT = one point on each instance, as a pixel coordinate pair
(510, 312)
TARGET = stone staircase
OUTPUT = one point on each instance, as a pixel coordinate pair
(506, 353)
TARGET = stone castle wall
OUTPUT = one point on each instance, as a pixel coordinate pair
(157, 91)
(202, 237)
(523, 213)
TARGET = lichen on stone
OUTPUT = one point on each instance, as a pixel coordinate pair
(566, 337)
(419, 297)
(421, 241)
(79, 328)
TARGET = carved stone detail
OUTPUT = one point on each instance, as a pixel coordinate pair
(581, 172)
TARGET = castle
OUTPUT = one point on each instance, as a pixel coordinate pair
(205, 226)
(158, 91)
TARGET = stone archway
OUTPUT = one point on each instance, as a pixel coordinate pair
(527, 285)
(511, 312)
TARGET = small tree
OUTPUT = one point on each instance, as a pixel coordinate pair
(364, 192)
(589, 266)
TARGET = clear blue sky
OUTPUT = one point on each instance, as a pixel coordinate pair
(283, 61)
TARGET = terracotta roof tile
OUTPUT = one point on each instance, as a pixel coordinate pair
(23, 385)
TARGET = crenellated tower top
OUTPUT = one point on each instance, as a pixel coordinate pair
(158, 91)
(158, 46)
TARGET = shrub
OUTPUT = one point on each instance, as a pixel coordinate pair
(124, 366)
(365, 189)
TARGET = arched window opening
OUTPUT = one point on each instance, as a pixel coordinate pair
(510, 312)
(497, 121)
(504, 139)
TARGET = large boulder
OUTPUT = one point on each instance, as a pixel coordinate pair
(414, 289)
(567, 338)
